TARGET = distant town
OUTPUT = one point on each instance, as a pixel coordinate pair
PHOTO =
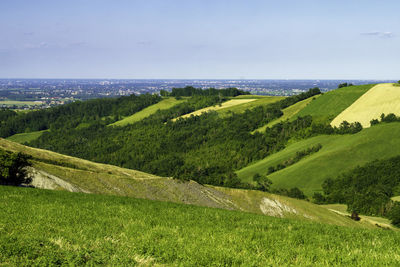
(44, 93)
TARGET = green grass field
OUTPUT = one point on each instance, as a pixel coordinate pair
(19, 103)
(330, 104)
(339, 153)
(163, 104)
(342, 209)
(289, 112)
(25, 137)
(41, 227)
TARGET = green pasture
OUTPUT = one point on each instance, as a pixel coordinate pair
(46, 228)
(339, 153)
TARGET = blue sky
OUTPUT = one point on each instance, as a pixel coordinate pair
(286, 39)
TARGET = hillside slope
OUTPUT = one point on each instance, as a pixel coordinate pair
(330, 104)
(163, 104)
(339, 153)
(47, 228)
(56, 171)
(382, 98)
(289, 112)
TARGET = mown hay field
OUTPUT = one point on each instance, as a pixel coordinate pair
(382, 98)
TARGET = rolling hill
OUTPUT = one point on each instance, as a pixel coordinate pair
(339, 153)
(289, 112)
(163, 104)
(382, 98)
(59, 172)
(237, 105)
(332, 103)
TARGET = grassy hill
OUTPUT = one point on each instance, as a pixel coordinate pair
(382, 98)
(163, 104)
(25, 137)
(60, 172)
(42, 227)
(339, 153)
(237, 105)
(332, 103)
(258, 101)
(289, 112)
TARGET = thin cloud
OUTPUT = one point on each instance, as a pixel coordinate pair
(144, 42)
(379, 34)
(37, 46)
(77, 44)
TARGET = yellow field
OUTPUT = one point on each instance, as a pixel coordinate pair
(382, 98)
(227, 104)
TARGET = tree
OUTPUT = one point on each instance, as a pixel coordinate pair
(394, 214)
(296, 193)
(13, 168)
(263, 183)
(319, 198)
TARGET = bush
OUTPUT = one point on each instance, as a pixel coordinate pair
(13, 168)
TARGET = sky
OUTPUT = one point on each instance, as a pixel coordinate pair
(200, 39)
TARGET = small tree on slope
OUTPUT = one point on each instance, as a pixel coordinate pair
(13, 168)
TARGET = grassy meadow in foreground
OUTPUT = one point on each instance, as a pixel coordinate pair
(40, 227)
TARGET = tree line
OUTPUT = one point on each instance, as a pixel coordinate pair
(191, 91)
(367, 189)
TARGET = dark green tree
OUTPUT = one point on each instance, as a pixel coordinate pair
(263, 183)
(13, 168)
(296, 193)
(394, 214)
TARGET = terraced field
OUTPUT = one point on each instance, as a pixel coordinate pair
(339, 153)
(382, 98)
(163, 104)
(332, 103)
